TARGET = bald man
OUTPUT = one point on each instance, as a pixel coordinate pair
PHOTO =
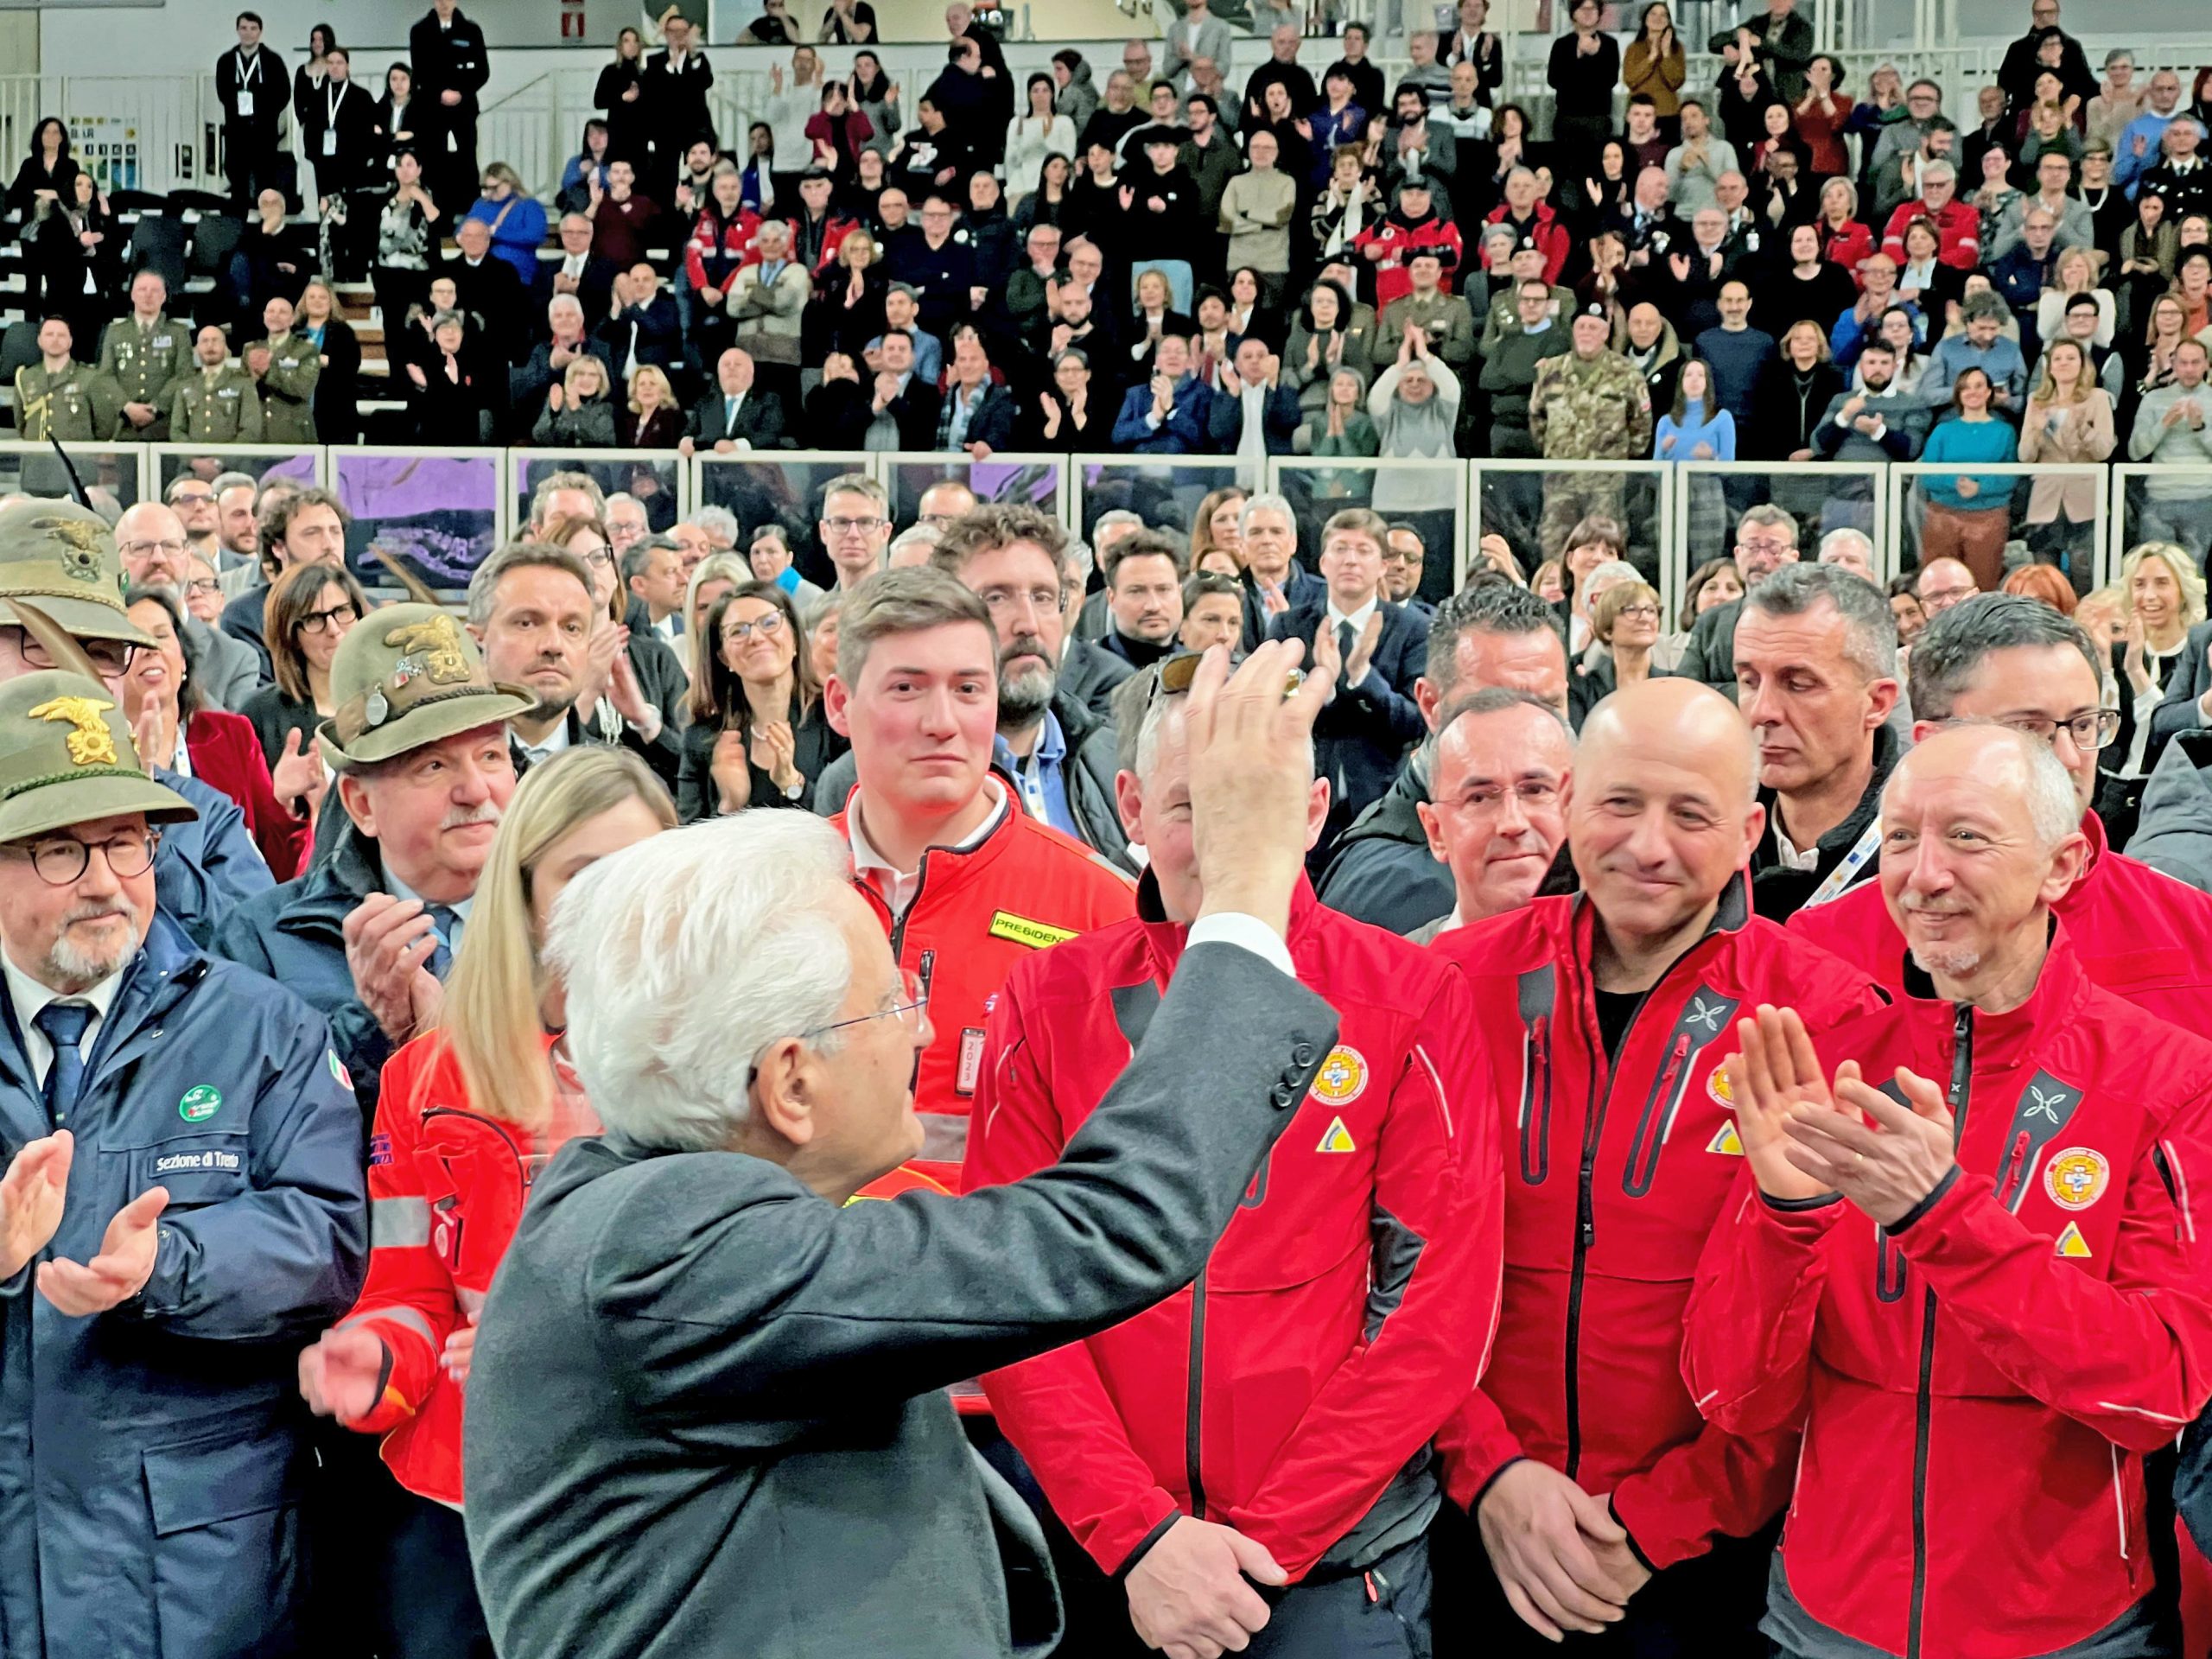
(1603, 1502)
(1495, 815)
(151, 540)
(1970, 1270)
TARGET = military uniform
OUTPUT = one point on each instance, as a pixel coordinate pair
(288, 389)
(145, 366)
(1449, 324)
(224, 407)
(1594, 409)
(76, 404)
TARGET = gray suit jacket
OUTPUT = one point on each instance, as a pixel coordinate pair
(707, 1415)
(229, 670)
(2177, 711)
(1215, 42)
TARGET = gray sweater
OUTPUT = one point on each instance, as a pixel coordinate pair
(707, 1412)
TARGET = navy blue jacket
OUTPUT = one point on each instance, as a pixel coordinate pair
(1184, 431)
(1279, 418)
(293, 933)
(206, 869)
(151, 1457)
(1361, 736)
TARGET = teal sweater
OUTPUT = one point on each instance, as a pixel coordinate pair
(1956, 440)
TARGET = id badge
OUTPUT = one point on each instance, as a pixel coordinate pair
(246, 104)
(453, 144)
(330, 143)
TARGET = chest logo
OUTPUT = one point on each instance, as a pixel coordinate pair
(200, 1104)
(1724, 1093)
(1338, 1138)
(1005, 925)
(2076, 1178)
(1341, 1080)
(2071, 1243)
(1728, 1141)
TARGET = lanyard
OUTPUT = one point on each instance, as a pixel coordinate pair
(249, 68)
(1869, 840)
(331, 101)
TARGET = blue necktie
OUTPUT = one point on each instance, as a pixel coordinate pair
(63, 1025)
(446, 921)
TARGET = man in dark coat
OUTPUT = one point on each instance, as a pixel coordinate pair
(409, 690)
(735, 416)
(154, 1283)
(254, 89)
(673, 94)
(1372, 651)
(699, 1364)
(451, 64)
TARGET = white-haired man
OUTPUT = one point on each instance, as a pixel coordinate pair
(630, 1483)
(1978, 1235)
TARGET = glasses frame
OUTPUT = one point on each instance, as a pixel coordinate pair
(30, 853)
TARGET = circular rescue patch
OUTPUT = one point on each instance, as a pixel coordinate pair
(2075, 1178)
(1341, 1078)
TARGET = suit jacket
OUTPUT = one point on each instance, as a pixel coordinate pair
(1360, 738)
(1711, 654)
(2177, 711)
(822, 1395)
(527, 385)
(227, 668)
(760, 420)
(660, 333)
(594, 288)
(492, 294)
(1280, 417)
(842, 413)
(1090, 676)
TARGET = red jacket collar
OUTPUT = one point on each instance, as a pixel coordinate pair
(1165, 939)
(2013, 1038)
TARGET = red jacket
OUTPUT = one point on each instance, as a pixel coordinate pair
(2137, 932)
(1977, 1388)
(1606, 1216)
(1543, 229)
(226, 755)
(729, 242)
(1343, 1315)
(1847, 247)
(1958, 233)
(447, 1186)
(1024, 887)
(1398, 241)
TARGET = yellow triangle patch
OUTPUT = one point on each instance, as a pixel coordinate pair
(2070, 1243)
(1728, 1141)
(1338, 1138)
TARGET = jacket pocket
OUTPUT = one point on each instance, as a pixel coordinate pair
(1538, 995)
(196, 1168)
(1701, 1021)
(225, 1546)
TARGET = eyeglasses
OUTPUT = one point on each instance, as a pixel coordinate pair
(62, 860)
(182, 497)
(203, 588)
(109, 657)
(141, 549)
(338, 616)
(852, 526)
(2091, 731)
(598, 559)
(767, 625)
(910, 1007)
(1649, 611)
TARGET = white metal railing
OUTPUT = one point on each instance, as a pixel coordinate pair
(1907, 502)
(2154, 502)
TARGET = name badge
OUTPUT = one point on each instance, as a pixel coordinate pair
(246, 104)
(228, 391)
(329, 144)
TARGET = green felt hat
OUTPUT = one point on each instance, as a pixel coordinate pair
(66, 757)
(406, 676)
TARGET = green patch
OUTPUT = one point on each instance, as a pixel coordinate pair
(200, 1104)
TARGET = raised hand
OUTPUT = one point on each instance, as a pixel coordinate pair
(121, 1269)
(32, 1196)
(1775, 1077)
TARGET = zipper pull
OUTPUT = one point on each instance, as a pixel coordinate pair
(2015, 1170)
(925, 970)
(1589, 1231)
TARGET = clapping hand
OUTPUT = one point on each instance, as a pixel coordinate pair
(121, 1269)
(32, 1198)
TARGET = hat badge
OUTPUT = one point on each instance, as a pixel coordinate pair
(80, 546)
(431, 647)
(91, 743)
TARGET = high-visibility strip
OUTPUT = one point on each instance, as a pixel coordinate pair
(945, 1141)
(411, 1319)
(398, 1223)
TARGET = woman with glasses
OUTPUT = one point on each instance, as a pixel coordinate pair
(716, 574)
(1624, 618)
(175, 727)
(469, 1114)
(758, 736)
(517, 221)
(307, 614)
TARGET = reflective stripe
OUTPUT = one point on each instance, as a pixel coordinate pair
(407, 1317)
(398, 1223)
(945, 1141)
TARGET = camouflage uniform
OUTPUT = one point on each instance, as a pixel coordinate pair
(1594, 409)
(220, 408)
(76, 406)
(145, 366)
(288, 389)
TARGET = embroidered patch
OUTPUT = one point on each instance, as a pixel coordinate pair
(2075, 1178)
(2070, 1243)
(971, 1060)
(1341, 1078)
(1718, 1086)
(1337, 1138)
(379, 1150)
(1005, 925)
(1727, 1141)
(200, 1104)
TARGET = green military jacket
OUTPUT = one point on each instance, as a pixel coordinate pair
(225, 407)
(77, 405)
(145, 367)
(1446, 319)
(1595, 410)
(287, 391)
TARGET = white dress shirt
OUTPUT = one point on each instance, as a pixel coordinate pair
(30, 995)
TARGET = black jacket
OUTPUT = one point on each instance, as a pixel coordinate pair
(595, 289)
(626, 123)
(1361, 738)
(449, 60)
(841, 412)
(760, 420)
(338, 388)
(357, 163)
(1383, 873)
(272, 89)
(816, 744)
(675, 104)
(1778, 893)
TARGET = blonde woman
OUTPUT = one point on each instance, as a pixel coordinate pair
(2165, 596)
(2076, 273)
(577, 414)
(470, 1113)
(2068, 419)
(651, 420)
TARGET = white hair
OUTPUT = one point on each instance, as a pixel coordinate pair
(2054, 810)
(1843, 538)
(561, 302)
(622, 499)
(1266, 502)
(711, 520)
(684, 959)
